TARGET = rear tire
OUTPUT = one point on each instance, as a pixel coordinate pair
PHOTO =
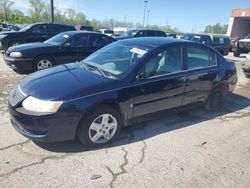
(215, 99)
(236, 54)
(99, 127)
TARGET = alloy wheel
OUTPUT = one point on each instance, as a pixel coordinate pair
(43, 64)
(103, 129)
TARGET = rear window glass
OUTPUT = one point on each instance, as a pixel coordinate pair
(200, 57)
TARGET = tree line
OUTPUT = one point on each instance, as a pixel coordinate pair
(39, 11)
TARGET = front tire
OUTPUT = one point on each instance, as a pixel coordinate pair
(43, 62)
(236, 54)
(100, 126)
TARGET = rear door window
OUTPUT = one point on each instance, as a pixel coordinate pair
(81, 41)
(53, 28)
(150, 33)
(99, 40)
(198, 57)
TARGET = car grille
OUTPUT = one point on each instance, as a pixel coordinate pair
(16, 96)
(244, 44)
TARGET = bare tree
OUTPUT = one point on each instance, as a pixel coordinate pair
(5, 8)
(38, 8)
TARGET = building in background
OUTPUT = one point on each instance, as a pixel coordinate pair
(239, 23)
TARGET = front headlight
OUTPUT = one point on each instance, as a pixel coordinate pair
(36, 105)
(16, 54)
(2, 36)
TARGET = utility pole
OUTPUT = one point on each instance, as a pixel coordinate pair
(144, 15)
(148, 17)
(52, 11)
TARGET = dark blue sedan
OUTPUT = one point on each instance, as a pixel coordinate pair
(116, 86)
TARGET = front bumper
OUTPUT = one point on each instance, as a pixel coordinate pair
(19, 64)
(44, 128)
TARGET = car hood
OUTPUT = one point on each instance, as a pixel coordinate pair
(10, 32)
(64, 82)
(28, 46)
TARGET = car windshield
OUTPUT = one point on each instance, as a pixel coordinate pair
(117, 58)
(58, 39)
(130, 33)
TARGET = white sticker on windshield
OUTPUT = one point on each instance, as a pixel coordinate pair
(66, 36)
(138, 51)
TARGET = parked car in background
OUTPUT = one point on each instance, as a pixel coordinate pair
(63, 48)
(246, 66)
(108, 32)
(37, 32)
(141, 33)
(84, 28)
(4, 26)
(242, 46)
(118, 86)
(171, 35)
(14, 28)
(233, 42)
(221, 43)
(201, 38)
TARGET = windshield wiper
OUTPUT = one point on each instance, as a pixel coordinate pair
(91, 67)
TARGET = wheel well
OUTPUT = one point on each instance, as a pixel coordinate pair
(14, 41)
(223, 87)
(113, 105)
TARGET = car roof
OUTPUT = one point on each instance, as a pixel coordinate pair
(79, 32)
(155, 41)
(37, 23)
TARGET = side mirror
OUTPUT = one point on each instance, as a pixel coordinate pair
(67, 45)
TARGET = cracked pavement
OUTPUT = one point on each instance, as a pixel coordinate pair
(194, 148)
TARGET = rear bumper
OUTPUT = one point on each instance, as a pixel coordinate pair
(19, 64)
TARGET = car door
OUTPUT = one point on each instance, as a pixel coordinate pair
(83, 46)
(160, 83)
(37, 33)
(201, 73)
(68, 51)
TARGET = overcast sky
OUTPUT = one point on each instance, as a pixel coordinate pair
(183, 14)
